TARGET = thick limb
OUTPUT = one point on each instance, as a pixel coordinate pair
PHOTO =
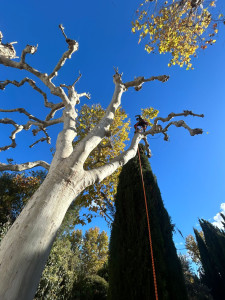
(24, 166)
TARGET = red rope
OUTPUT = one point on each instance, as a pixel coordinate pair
(149, 231)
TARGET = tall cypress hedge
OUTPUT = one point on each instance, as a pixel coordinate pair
(212, 255)
(130, 267)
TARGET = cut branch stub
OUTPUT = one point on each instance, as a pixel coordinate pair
(7, 50)
(28, 50)
(138, 82)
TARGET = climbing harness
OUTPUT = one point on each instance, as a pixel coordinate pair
(149, 231)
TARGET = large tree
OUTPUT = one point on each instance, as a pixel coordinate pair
(130, 264)
(26, 247)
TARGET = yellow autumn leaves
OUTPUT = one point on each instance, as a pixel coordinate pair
(176, 28)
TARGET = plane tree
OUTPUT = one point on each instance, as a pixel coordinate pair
(26, 246)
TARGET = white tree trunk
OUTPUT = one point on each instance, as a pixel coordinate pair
(25, 251)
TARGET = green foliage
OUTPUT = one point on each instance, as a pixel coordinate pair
(195, 288)
(73, 260)
(15, 190)
(59, 273)
(192, 247)
(176, 27)
(212, 256)
(130, 268)
(92, 287)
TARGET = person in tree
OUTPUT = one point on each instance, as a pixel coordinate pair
(141, 123)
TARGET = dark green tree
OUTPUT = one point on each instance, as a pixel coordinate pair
(130, 267)
(212, 255)
(195, 288)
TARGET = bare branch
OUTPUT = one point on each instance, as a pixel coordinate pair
(32, 83)
(147, 147)
(22, 65)
(73, 46)
(40, 140)
(172, 115)
(28, 49)
(54, 110)
(32, 121)
(78, 78)
(47, 137)
(62, 29)
(18, 128)
(159, 129)
(138, 82)
(87, 95)
(24, 166)
(22, 110)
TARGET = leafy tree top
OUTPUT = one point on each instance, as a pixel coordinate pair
(176, 27)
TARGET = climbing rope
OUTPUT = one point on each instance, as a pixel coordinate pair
(149, 231)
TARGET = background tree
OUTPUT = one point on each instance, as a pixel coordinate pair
(73, 265)
(212, 257)
(15, 190)
(130, 266)
(195, 287)
(192, 248)
(25, 248)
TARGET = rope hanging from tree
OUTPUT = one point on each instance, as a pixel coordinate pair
(149, 231)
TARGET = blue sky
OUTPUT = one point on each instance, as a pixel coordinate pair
(190, 170)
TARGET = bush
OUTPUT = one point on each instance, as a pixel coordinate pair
(91, 287)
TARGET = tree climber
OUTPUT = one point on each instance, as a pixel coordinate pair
(141, 122)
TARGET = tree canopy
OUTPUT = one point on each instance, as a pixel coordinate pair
(177, 27)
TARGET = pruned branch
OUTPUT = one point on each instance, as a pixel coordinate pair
(73, 46)
(138, 82)
(156, 128)
(87, 95)
(32, 121)
(23, 111)
(147, 147)
(32, 83)
(7, 50)
(28, 50)
(57, 91)
(172, 115)
(18, 128)
(24, 166)
(78, 78)
(47, 137)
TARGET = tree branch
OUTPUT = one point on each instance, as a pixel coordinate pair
(28, 49)
(73, 46)
(159, 129)
(24, 166)
(47, 138)
(138, 82)
(98, 174)
(7, 50)
(32, 83)
(18, 128)
(22, 65)
(172, 115)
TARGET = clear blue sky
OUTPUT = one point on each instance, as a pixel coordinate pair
(190, 170)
